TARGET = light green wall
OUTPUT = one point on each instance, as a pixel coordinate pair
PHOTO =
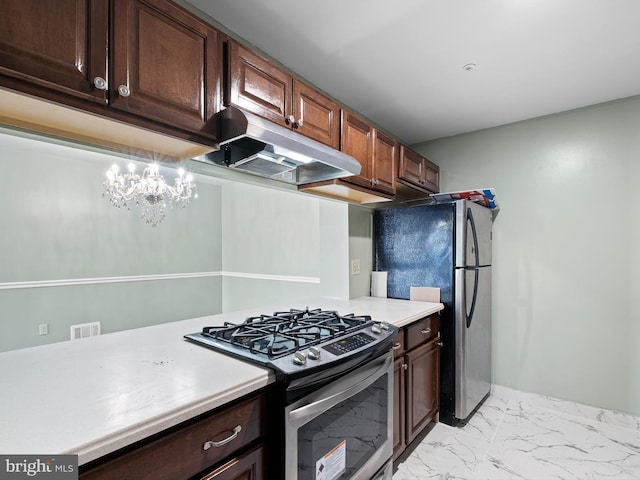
(566, 256)
(361, 247)
(57, 227)
(299, 241)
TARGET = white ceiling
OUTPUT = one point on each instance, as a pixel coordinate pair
(400, 63)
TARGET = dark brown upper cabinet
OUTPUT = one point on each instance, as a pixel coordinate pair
(164, 65)
(256, 85)
(376, 152)
(160, 68)
(58, 45)
(417, 172)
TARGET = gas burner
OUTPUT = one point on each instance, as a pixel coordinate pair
(287, 332)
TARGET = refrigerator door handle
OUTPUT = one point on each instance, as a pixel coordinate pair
(475, 297)
(475, 283)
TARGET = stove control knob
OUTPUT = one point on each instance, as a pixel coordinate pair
(314, 353)
(384, 325)
(299, 358)
(376, 328)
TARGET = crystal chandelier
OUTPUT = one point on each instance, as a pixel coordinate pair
(149, 191)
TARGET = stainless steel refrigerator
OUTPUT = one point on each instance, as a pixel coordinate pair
(446, 245)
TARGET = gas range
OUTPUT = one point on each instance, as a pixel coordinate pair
(297, 342)
(332, 402)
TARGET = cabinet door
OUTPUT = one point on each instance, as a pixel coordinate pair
(249, 466)
(399, 443)
(357, 140)
(316, 116)
(54, 45)
(431, 176)
(423, 391)
(385, 152)
(164, 65)
(410, 166)
(258, 86)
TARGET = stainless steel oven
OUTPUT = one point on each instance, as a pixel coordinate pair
(343, 430)
(331, 406)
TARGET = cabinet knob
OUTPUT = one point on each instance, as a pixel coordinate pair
(290, 120)
(100, 83)
(124, 91)
(405, 366)
(210, 443)
(300, 122)
(440, 343)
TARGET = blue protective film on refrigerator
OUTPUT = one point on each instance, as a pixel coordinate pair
(415, 246)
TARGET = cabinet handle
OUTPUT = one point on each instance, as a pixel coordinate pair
(405, 366)
(396, 346)
(426, 331)
(377, 182)
(210, 443)
(100, 83)
(440, 343)
(289, 120)
(124, 91)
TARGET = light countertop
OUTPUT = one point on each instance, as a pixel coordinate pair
(93, 396)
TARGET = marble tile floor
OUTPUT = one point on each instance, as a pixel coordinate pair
(517, 435)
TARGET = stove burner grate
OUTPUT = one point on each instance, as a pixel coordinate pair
(286, 332)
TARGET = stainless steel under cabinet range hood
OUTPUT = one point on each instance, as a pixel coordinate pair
(252, 144)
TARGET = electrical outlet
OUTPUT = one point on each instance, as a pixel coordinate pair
(355, 266)
(43, 329)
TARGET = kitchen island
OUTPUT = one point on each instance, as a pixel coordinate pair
(94, 396)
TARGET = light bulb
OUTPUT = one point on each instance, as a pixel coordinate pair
(132, 167)
(181, 172)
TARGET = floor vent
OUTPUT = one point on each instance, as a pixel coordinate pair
(83, 330)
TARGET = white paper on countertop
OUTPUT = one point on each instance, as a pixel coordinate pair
(424, 294)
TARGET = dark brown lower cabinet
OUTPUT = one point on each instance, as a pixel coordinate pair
(226, 444)
(416, 380)
(249, 466)
(423, 375)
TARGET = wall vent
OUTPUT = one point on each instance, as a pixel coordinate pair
(83, 330)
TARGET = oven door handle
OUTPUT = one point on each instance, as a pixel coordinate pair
(314, 409)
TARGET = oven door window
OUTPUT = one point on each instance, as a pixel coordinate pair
(337, 443)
